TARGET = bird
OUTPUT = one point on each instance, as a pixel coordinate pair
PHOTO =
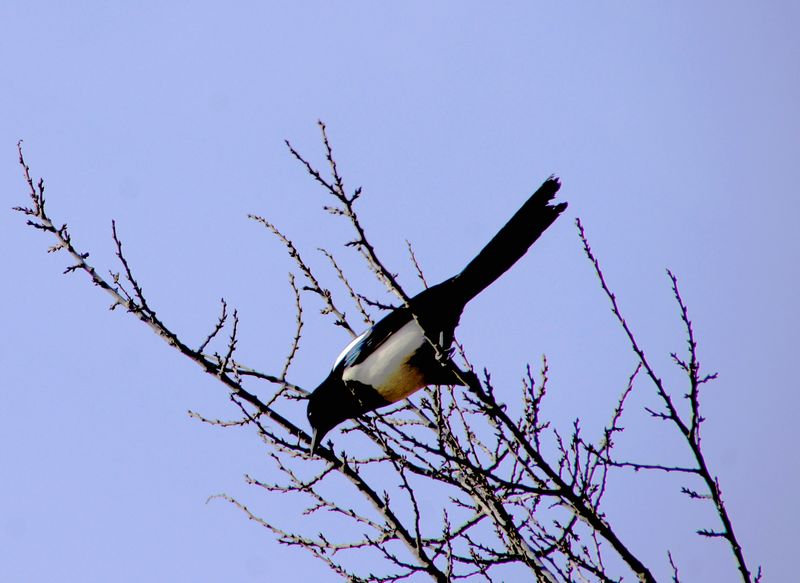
(396, 356)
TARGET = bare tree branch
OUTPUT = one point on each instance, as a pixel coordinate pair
(453, 486)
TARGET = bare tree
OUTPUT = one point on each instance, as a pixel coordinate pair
(453, 485)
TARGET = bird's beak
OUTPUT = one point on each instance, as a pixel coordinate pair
(315, 438)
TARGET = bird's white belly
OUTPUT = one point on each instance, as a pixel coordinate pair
(387, 369)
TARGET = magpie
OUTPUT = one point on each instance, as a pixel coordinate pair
(396, 357)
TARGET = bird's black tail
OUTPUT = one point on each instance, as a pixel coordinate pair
(511, 242)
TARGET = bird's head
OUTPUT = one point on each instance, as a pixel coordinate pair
(325, 409)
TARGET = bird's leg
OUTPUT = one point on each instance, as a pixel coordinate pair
(443, 355)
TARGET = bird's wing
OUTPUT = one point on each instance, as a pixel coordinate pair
(368, 342)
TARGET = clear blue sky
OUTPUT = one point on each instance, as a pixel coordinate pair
(674, 126)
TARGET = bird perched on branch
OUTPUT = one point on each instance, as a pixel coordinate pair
(408, 348)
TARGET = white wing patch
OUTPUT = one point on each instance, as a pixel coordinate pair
(386, 369)
(347, 348)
